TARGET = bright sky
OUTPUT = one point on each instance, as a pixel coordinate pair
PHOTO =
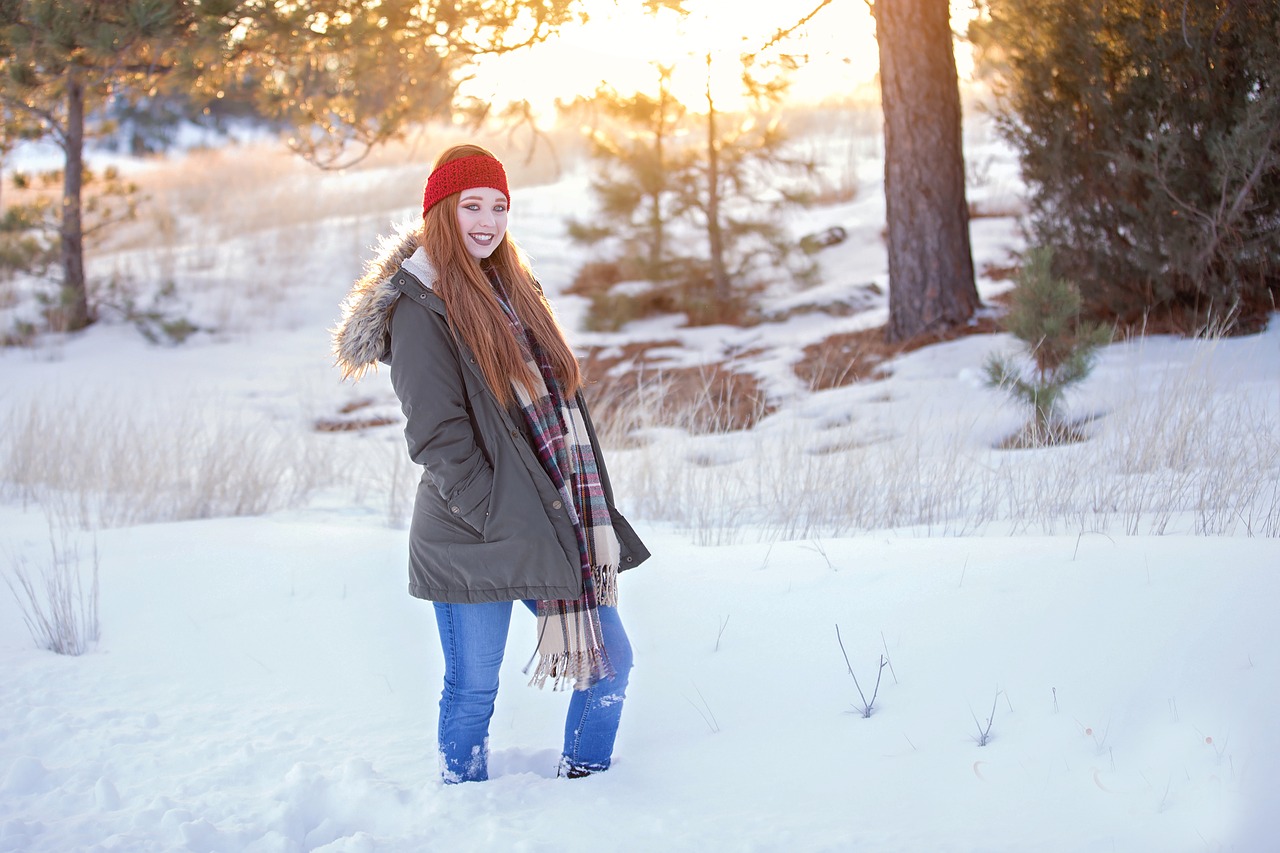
(619, 45)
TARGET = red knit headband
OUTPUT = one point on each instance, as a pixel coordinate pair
(464, 174)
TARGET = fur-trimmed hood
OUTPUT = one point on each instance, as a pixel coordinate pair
(362, 337)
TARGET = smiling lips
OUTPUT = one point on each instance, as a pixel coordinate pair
(482, 239)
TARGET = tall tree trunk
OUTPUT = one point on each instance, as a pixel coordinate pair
(75, 296)
(719, 276)
(931, 284)
(656, 224)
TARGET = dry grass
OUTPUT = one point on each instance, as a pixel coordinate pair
(1185, 457)
(112, 462)
(60, 613)
(220, 193)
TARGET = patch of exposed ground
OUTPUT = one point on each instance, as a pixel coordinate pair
(849, 357)
(636, 380)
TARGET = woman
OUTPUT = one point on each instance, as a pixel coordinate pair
(514, 501)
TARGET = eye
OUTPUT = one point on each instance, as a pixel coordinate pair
(472, 206)
(499, 208)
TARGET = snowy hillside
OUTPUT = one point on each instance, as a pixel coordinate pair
(1101, 615)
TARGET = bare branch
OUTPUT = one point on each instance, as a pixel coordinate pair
(781, 35)
(45, 116)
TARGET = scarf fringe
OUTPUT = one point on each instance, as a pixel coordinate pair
(605, 579)
(581, 670)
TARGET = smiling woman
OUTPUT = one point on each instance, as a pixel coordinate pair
(620, 44)
(514, 501)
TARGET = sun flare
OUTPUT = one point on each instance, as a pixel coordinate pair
(620, 46)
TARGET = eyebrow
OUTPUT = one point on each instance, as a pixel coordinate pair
(501, 198)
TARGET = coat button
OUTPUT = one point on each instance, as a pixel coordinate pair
(455, 510)
(422, 296)
(556, 504)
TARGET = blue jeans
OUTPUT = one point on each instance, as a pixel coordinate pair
(473, 637)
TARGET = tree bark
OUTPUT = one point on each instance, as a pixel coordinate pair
(719, 275)
(931, 283)
(75, 295)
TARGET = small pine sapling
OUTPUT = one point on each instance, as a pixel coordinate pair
(1044, 313)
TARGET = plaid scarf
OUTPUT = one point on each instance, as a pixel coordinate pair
(570, 641)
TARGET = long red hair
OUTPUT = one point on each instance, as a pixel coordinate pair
(473, 310)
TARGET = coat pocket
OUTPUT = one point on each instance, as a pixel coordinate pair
(434, 517)
(633, 550)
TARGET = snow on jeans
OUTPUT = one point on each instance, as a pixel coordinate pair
(473, 637)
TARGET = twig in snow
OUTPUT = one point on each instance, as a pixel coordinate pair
(1081, 535)
(886, 657)
(705, 711)
(867, 707)
(984, 735)
(765, 563)
(816, 545)
(723, 623)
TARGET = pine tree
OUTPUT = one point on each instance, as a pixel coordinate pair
(1149, 137)
(346, 74)
(1044, 313)
(61, 61)
(694, 201)
(634, 183)
(740, 191)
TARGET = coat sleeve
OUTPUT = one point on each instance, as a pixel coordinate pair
(427, 377)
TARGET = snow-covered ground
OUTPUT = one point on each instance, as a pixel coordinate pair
(264, 683)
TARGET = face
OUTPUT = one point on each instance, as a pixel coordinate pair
(482, 220)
